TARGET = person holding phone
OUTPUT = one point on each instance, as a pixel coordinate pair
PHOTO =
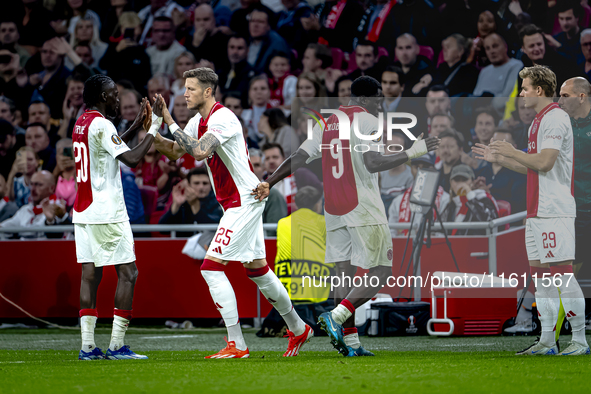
(19, 180)
(65, 172)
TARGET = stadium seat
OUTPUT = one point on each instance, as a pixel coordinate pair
(154, 218)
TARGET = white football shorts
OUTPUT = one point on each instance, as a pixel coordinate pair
(365, 246)
(104, 244)
(550, 240)
(240, 235)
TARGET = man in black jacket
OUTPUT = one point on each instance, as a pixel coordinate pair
(193, 202)
(239, 73)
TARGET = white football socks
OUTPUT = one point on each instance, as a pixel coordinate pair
(573, 302)
(120, 325)
(87, 325)
(548, 303)
(274, 291)
(352, 340)
(224, 298)
(340, 314)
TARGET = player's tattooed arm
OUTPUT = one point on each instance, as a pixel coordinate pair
(377, 162)
(296, 160)
(198, 148)
(168, 148)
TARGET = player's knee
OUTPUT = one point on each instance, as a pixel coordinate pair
(128, 273)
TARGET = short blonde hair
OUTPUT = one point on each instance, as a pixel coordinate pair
(540, 76)
(129, 20)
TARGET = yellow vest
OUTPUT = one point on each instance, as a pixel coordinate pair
(299, 264)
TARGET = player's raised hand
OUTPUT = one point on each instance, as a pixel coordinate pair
(483, 152)
(148, 119)
(432, 143)
(158, 105)
(261, 192)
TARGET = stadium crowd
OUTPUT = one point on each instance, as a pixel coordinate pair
(428, 55)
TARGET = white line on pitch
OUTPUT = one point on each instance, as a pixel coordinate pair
(170, 336)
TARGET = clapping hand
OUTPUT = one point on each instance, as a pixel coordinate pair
(261, 192)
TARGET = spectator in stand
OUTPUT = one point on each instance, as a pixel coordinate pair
(180, 112)
(9, 38)
(157, 171)
(586, 50)
(500, 76)
(519, 123)
(569, 14)
(8, 113)
(501, 182)
(418, 70)
(440, 122)
(263, 40)
(310, 93)
(184, 62)
(399, 211)
(454, 73)
(395, 181)
(274, 125)
(165, 48)
(343, 87)
(392, 87)
(8, 147)
(158, 8)
(193, 202)
(14, 82)
(274, 156)
(132, 197)
(37, 139)
(233, 102)
(289, 24)
(239, 22)
(19, 179)
(65, 172)
(259, 96)
(316, 59)
(125, 58)
(8, 208)
(484, 127)
(43, 209)
(281, 82)
(239, 73)
(206, 39)
(35, 26)
(366, 57)
(450, 151)
(86, 31)
(129, 103)
(336, 25)
(276, 207)
(535, 51)
(74, 11)
(79, 58)
(486, 25)
(38, 112)
(73, 106)
(437, 102)
(51, 81)
(110, 21)
(468, 204)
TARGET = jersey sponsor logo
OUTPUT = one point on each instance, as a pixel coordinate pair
(116, 139)
(216, 130)
(377, 139)
(554, 137)
(390, 254)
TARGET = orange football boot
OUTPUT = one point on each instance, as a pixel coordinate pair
(230, 351)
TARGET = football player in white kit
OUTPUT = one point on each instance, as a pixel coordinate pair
(551, 210)
(101, 225)
(356, 222)
(215, 135)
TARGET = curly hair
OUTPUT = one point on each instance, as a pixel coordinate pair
(93, 87)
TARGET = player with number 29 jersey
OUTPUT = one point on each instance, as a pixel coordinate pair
(100, 193)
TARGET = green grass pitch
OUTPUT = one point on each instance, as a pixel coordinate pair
(45, 361)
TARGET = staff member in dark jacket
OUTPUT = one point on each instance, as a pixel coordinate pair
(193, 202)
